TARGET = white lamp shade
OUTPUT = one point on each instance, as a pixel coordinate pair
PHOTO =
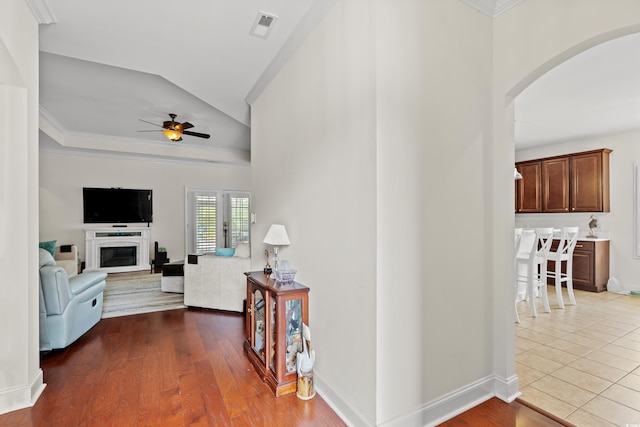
(516, 174)
(277, 236)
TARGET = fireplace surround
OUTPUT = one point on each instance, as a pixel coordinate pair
(116, 250)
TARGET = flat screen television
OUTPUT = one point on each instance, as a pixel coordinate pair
(117, 205)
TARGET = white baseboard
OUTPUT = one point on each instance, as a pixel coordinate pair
(430, 414)
(507, 389)
(22, 397)
(349, 414)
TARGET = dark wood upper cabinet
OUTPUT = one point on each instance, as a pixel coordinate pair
(555, 185)
(576, 182)
(590, 182)
(528, 189)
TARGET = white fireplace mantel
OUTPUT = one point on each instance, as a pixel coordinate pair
(97, 238)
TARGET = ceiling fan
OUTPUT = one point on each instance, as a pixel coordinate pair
(174, 130)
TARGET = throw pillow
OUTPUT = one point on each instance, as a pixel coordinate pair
(243, 250)
(50, 246)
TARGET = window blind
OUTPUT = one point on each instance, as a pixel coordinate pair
(205, 225)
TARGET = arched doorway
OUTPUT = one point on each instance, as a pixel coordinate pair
(560, 60)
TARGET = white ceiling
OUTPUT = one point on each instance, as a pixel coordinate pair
(106, 65)
(594, 93)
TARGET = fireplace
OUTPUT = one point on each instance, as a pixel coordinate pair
(118, 256)
(117, 250)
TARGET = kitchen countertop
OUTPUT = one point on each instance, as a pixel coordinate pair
(557, 233)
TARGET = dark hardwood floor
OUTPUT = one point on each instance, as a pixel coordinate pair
(174, 368)
(186, 368)
(495, 412)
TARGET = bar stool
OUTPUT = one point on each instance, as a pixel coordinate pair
(532, 258)
(516, 249)
(564, 253)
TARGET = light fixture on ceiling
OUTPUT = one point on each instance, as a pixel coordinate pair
(516, 175)
(174, 129)
(172, 134)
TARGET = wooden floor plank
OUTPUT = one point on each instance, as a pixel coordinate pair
(234, 401)
(193, 409)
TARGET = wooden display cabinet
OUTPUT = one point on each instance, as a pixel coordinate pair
(275, 314)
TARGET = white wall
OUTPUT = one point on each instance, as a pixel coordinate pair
(616, 224)
(313, 166)
(433, 129)
(360, 147)
(20, 374)
(62, 177)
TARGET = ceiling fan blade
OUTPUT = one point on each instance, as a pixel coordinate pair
(187, 125)
(151, 123)
(200, 135)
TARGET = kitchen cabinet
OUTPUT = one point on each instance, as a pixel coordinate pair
(590, 181)
(577, 182)
(590, 264)
(528, 189)
(275, 314)
(555, 185)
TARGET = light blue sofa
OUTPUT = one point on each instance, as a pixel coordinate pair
(68, 307)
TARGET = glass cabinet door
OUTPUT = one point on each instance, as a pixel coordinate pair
(274, 334)
(293, 333)
(258, 322)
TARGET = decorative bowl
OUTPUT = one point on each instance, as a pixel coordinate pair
(225, 251)
(285, 276)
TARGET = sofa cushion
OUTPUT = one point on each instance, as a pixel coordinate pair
(46, 258)
(243, 250)
(49, 246)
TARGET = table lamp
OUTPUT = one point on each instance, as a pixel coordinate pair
(276, 236)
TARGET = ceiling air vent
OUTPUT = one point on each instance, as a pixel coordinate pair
(263, 24)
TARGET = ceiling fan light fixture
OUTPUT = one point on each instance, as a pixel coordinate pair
(172, 134)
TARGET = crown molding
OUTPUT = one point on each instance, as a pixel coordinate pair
(41, 11)
(492, 8)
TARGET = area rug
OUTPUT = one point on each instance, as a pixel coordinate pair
(128, 295)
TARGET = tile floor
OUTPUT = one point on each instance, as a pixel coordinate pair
(582, 363)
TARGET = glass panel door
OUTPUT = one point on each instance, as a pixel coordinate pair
(258, 323)
(274, 334)
(293, 333)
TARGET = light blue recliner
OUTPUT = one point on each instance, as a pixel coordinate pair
(68, 307)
